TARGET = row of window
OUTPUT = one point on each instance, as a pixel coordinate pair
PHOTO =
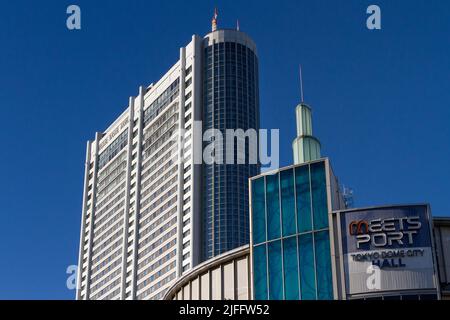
(149, 248)
(113, 149)
(157, 286)
(111, 186)
(101, 254)
(157, 253)
(102, 174)
(169, 95)
(159, 262)
(107, 242)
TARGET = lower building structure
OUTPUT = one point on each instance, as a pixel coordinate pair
(305, 245)
(225, 277)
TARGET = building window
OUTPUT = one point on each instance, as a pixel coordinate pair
(259, 211)
(188, 71)
(273, 207)
(302, 186)
(323, 265)
(275, 271)
(307, 270)
(290, 264)
(260, 272)
(186, 267)
(288, 202)
(319, 195)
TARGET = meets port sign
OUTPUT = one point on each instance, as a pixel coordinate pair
(387, 249)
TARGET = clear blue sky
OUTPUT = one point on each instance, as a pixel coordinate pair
(381, 102)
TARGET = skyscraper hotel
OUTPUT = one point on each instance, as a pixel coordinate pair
(150, 211)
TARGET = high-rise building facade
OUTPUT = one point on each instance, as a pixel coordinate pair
(150, 211)
(231, 100)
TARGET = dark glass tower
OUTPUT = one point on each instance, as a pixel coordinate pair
(230, 101)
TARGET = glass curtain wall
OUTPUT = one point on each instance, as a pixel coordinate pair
(291, 244)
(230, 101)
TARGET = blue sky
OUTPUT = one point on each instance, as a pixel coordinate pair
(381, 103)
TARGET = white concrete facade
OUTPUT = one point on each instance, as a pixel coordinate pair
(141, 205)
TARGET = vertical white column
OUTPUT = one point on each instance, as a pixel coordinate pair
(180, 154)
(98, 136)
(127, 198)
(196, 169)
(137, 198)
(83, 220)
(331, 231)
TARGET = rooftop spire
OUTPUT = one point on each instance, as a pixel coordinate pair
(214, 20)
(305, 147)
(237, 25)
(301, 84)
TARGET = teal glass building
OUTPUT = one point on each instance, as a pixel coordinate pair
(290, 232)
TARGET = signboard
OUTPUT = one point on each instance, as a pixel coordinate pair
(387, 249)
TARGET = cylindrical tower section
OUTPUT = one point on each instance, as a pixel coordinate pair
(305, 146)
(304, 120)
(230, 101)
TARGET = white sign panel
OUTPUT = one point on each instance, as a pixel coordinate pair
(387, 249)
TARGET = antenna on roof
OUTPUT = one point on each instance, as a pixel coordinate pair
(214, 20)
(301, 83)
(237, 25)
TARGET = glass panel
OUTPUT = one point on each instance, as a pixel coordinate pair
(273, 207)
(275, 271)
(288, 202)
(258, 211)
(307, 274)
(260, 272)
(290, 268)
(303, 198)
(319, 195)
(323, 266)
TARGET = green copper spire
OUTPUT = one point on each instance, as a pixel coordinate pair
(306, 147)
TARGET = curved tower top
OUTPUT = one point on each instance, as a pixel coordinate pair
(230, 35)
